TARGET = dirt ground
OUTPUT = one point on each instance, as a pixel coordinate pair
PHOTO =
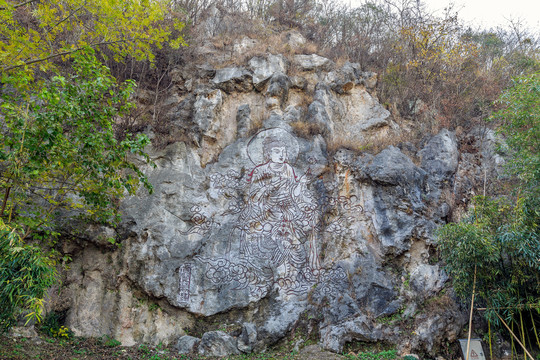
(48, 348)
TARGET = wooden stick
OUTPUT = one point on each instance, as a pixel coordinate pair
(520, 306)
(470, 316)
(515, 337)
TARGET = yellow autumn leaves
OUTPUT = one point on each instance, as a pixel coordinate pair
(38, 32)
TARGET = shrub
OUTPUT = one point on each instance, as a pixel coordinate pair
(25, 275)
(498, 243)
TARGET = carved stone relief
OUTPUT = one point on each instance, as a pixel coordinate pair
(279, 220)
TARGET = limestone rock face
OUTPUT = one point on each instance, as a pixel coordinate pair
(263, 220)
(440, 156)
(206, 108)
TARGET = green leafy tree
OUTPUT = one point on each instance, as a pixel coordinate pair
(499, 240)
(58, 152)
(59, 156)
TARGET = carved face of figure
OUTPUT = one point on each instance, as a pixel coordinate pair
(274, 150)
(278, 154)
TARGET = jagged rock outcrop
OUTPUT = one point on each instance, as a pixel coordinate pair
(256, 227)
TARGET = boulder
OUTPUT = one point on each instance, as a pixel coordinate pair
(320, 110)
(313, 62)
(392, 167)
(334, 337)
(264, 67)
(187, 344)
(295, 39)
(243, 45)
(218, 344)
(248, 338)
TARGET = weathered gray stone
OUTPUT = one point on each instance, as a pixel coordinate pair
(243, 45)
(233, 79)
(278, 86)
(369, 79)
(334, 337)
(440, 156)
(431, 325)
(181, 114)
(275, 120)
(217, 343)
(282, 315)
(298, 82)
(313, 62)
(205, 71)
(98, 234)
(356, 115)
(248, 338)
(205, 111)
(243, 120)
(264, 68)
(392, 167)
(427, 280)
(352, 72)
(320, 110)
(343, 80)
(295, 39)
(292, 114)
(187, 344)
(398, 200)
(480, 160)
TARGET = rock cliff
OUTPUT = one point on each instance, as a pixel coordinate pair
(268, 220)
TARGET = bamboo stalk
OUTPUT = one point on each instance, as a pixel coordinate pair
(470, 316)
(513, 346)
(490, 348)
(522, 333)
(514, 336)
(534, 328)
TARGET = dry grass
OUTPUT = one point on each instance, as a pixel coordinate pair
(375, 143)
(306, 129)
(267, 41)
(341, 60)
(358, 146)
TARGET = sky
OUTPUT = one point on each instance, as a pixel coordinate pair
(487, 13)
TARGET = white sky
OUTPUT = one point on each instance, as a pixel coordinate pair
(486, 13)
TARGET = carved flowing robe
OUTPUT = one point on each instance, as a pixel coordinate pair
(279, 218)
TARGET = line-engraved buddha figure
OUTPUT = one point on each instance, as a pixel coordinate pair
(277, 223)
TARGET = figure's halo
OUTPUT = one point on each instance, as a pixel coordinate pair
(255, 145)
